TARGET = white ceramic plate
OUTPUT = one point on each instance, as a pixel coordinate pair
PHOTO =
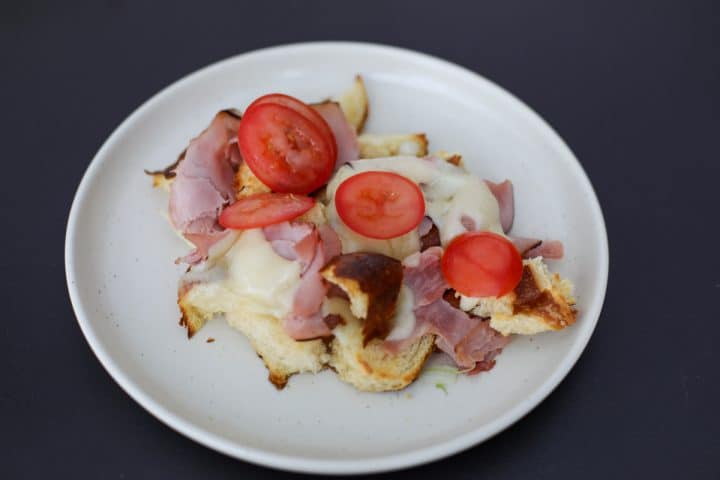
(119, 259)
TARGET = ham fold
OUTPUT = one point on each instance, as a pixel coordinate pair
(204, 184)
(345, 137)
(312, 247)
(469, 340)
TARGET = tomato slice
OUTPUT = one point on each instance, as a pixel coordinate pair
(482, 264)
(263, 209)
(303, 109)
(285, 150)
(380, 204)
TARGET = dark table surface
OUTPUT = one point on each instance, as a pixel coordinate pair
(632, 86)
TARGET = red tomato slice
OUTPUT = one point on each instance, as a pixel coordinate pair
(380, 204)
(303, 109)
(263, 209)
(482, 264)
(284, 149)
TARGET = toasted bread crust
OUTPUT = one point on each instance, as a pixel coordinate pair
(541, 302)
(376, 146)
(531, 299)
(372, 369)
(372, 280)
(355, 105)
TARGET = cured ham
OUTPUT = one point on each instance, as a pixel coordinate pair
(503, 193)
(422, 274)
(348, 148)
(469, 340)
(312, 247)
(204, 184)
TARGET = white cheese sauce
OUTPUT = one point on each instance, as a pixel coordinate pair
(404, 315)
(250, 278)
(451, 194)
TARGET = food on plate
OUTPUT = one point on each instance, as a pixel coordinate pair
(359, 252)
(374, 145)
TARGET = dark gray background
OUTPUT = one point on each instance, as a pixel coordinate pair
(632, 86)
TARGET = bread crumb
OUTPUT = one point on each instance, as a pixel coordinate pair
(210, 340)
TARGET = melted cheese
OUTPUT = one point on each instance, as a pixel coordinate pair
(404, 315)
(251, 278)
(451, 193)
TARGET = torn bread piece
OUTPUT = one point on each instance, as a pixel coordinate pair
(541, 302)
(282, 355)
(162, 179)
(354, 104)
(246, 183)
(454, 158)
(372, 282)
(389, 145)
(371, 368)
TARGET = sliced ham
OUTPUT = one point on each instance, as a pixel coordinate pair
(285, 235)
(469, 340)
(345, 136)
(307, 328)
(479, 347)
(312, 247)
(534, 247)
(425, 226)
(204, 184)
(503, 193)
(468, 223)
(331, 242)
(422, 274)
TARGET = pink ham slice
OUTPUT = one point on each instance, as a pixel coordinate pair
(422, 275)
(479, 347)
(425, 226)
(345, 136)
(503, 193)
(534, 247)
(313, 247)
(470, 341)
(204, 184)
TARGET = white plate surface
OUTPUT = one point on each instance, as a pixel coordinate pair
(119, 259)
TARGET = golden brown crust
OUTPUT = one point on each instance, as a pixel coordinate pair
(377, 277)
(190, 318)
(278, 379)
(373, 369)
(455, 160)
(531, 299)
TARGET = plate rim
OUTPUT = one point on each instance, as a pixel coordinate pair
(298, 463)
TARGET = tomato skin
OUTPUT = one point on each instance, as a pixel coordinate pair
(263, 209)
(380, 205)
(303, 109)
(482, 264)
(284, 150)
